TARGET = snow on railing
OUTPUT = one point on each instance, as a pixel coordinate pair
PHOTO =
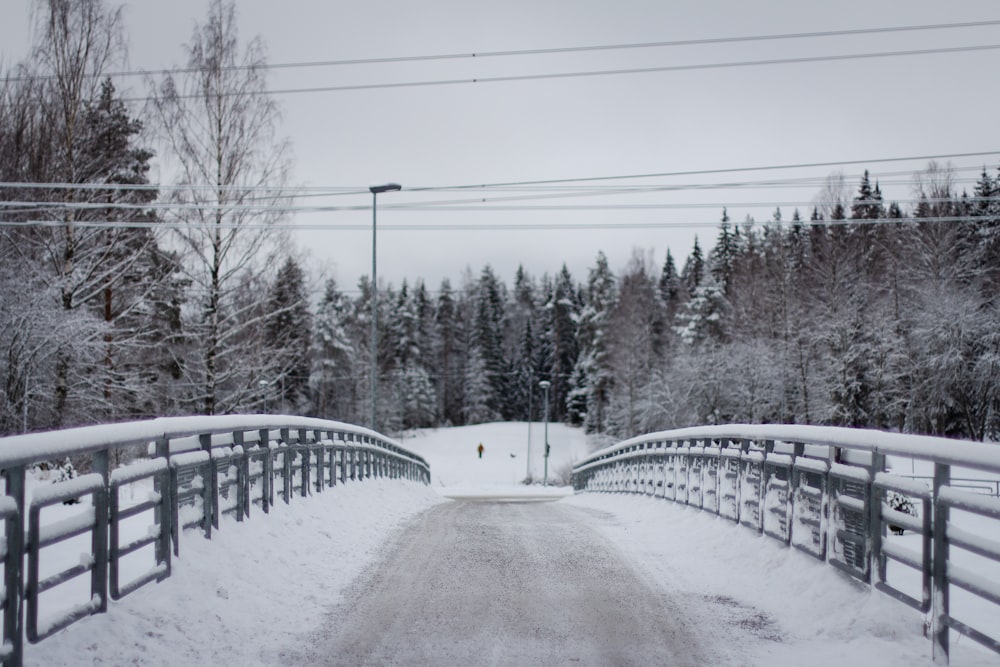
(188, 471)
(827, 491)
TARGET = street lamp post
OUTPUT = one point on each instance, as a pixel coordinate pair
(376, 190)
(531, 390)
(545, 384)
(263, 384)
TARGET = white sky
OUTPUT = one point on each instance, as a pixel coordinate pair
(591, 126)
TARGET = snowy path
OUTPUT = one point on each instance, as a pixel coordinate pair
(493, 583)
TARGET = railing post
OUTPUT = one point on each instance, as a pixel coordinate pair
(13, 615)
(211, 486)
(242, 477)
(876, 528)
(939, 593)
(306, 462)
(99, 575)
(267, 474)
(161, 513)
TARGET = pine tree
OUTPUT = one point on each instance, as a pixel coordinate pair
(592, 375)
(333, 381)
(447, 357)
(723, 256)
(694, 269)
(289, 334)
(670, 289)
(489, 338)
(562, 311)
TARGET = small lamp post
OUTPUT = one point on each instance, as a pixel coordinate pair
(545, 384)
(376, 190)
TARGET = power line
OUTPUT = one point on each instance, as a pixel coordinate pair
(598, 73)
(478, 227)
(487, 204)
(562, 50)
(578, 181)
(707, 172)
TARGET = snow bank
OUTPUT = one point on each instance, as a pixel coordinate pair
(254, 588)
(761, 602)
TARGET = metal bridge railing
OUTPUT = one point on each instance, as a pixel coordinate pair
(825, 491)
(200, 468)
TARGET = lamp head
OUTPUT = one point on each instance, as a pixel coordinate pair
(388, 187)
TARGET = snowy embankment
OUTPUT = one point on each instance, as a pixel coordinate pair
(253, 589)
(759, 601)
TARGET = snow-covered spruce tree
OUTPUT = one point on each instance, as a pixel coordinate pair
(562, 312)
(332, 381)
(446, 360)
(722, 258)
(519, 336)
(670, 290)
(490, 300)
(289, 334)
(219, 125)
(593, 376)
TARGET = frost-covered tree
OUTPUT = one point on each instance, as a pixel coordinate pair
(289, 333)
(334, 358)
(593, 375)
(562, 313)
(220, 125)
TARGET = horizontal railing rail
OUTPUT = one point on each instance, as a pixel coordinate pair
(827, 491)
(193, 471)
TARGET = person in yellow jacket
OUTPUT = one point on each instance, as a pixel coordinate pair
(480, 449)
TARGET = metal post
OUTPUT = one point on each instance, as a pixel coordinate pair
(876, 527)
(545, 384)
(939, 594)
(24, 422)
(374, 336)
(375, 190)
(99, 574)
(531, 391)
(13, 618)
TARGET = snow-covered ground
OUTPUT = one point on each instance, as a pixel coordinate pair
(261, 587)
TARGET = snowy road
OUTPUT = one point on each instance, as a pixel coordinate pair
(504, 584)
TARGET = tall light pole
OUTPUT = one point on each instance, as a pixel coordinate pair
(263, 384)
(531, 390)
(376, 190)
(545, 384)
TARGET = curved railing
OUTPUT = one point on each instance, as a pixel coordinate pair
(192, 470)
(825, 491)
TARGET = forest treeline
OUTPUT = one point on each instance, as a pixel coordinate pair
(120, 299)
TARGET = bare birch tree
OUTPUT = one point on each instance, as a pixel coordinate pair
(220, 125)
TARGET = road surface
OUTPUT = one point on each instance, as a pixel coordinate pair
(504, 583)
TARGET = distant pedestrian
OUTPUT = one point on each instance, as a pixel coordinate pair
(480, 449)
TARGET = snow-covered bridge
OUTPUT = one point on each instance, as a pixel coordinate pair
(389, 572)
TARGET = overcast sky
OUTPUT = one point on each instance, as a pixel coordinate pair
(582, 127)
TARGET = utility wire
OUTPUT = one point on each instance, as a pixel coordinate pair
(456, 206)
(562, 50)
(596, 73)
(479, 227)
(577, 181)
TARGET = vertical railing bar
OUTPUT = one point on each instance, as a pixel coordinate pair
(267, 474)
(99, 575)
(939, 588)
(13, 612)
(242, 487)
